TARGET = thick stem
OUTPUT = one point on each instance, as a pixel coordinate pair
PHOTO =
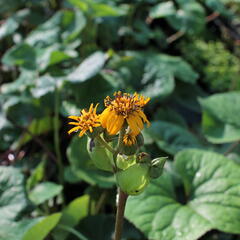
(121, 203)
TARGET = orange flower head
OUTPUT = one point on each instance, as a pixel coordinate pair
(87, 121)
(124, 107)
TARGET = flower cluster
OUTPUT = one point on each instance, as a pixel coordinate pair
(123, 110)
(114, 140)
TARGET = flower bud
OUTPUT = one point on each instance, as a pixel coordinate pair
(107, 137)
(143, 158)
(128, 149)
(100, 156)
(96, 132)
(134, 179)
(124, 162)
(157, 166)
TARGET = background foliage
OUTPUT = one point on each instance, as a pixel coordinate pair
(57, 57)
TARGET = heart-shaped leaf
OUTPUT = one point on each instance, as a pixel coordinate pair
(212, 189)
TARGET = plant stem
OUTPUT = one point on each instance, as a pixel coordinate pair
(122, 199)
(231, 148)
(109, 148)
(56, 126)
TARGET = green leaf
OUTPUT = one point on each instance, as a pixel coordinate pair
(171, 138)
(71, 215)
(164, 9)
(44, 85)
(36, 176)
(16, 230)
(40, 230)
(13, 199)
(218, 6)
(88, 68)
(220, 120)
(44, 191)
(190, 18)
(22, 55)
(162, 86)
(212, 187)
(176, 65)
(96, 9)
(13, 22)
(82, 167)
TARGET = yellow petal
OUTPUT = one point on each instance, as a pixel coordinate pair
(104, 117)
(82, 133)
(73, 117)
(112, 117)
(143, 116)
(117, 125)
(73, 123)
(138, 121)
(132, 124)
(73, 129)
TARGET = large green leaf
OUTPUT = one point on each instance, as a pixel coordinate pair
(154, 73)
(177, 66)
(220, 120)
(13, 199)
(171, 138)
(212, 189)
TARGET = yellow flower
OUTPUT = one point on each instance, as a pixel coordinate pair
(129, 139)
(86, 121)
(124, 107)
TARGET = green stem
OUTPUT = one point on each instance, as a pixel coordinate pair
(101, 202)
(231, 148)
(107, 146)
(57, 138)
(120, 214)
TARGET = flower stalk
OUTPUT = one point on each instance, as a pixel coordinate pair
(121, 204)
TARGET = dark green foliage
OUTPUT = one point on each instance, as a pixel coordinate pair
(59, 56)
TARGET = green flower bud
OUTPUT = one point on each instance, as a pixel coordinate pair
(143, 158)
(124, 162)
(128, 150)
(100, 156)
(134, 179)
(157, 166)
